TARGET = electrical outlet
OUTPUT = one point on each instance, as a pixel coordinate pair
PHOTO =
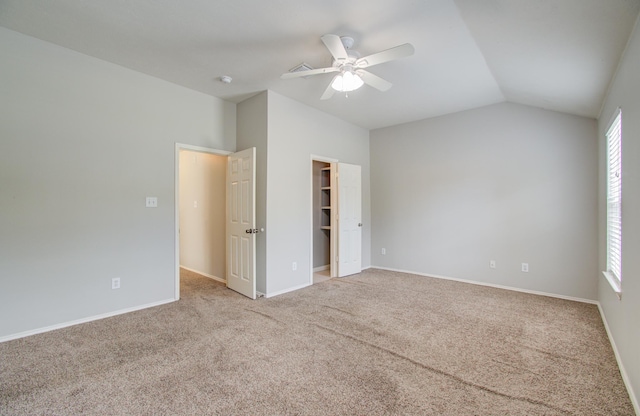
(383, 251)
(492, 264)
(152, 202)
(294, 266)
(115, 283)
(195, 204)
(525, 267)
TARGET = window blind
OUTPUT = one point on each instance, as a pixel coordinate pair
(614, 201)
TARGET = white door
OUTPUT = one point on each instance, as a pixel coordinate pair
(349, 220)
(241, 222)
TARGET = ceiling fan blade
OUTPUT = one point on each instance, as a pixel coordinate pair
(328, 93)
(335, 46)
(300, 74)
(385, 56)
(374, 80)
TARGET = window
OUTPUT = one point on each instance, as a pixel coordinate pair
(614, 204)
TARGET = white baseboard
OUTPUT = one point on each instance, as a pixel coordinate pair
(321, 268)
(210, 276)
(83, 320)
(473, 282)
(623, 372)
(291, 289)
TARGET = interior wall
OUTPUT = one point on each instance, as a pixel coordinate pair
(507, 182)
(295, 132)
(202, 212)
(82, 143)
(321, 238)
(622, 314)
(252, 132)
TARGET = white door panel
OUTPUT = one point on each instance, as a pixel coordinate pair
(241, 219)
(349, 219)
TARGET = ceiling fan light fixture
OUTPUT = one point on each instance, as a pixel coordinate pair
(349, 67)
(347, 81)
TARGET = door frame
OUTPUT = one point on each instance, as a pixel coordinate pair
(316, 158)
(176, 201)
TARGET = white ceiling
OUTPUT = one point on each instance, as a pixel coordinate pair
(554, 54)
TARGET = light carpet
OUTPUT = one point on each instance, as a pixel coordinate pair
(376, 343)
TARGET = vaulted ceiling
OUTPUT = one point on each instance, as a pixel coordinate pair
(555, 54)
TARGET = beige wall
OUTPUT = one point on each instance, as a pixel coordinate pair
(286, 133)
(82, 143)
(507, 182)
(295, 132)
(202, 212)
(622, 315)
(252, 132)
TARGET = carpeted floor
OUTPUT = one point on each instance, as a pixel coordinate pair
(377, 343)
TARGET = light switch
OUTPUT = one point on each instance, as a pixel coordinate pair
(152, 202)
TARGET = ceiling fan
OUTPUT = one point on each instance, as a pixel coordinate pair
(350, 67)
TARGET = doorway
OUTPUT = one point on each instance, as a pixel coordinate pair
(200, 204)
(336, 219)
(323, 209)
(324, 234)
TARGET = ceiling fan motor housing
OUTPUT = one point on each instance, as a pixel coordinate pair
(351, 68)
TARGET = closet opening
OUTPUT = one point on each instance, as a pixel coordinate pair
(324, 230)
